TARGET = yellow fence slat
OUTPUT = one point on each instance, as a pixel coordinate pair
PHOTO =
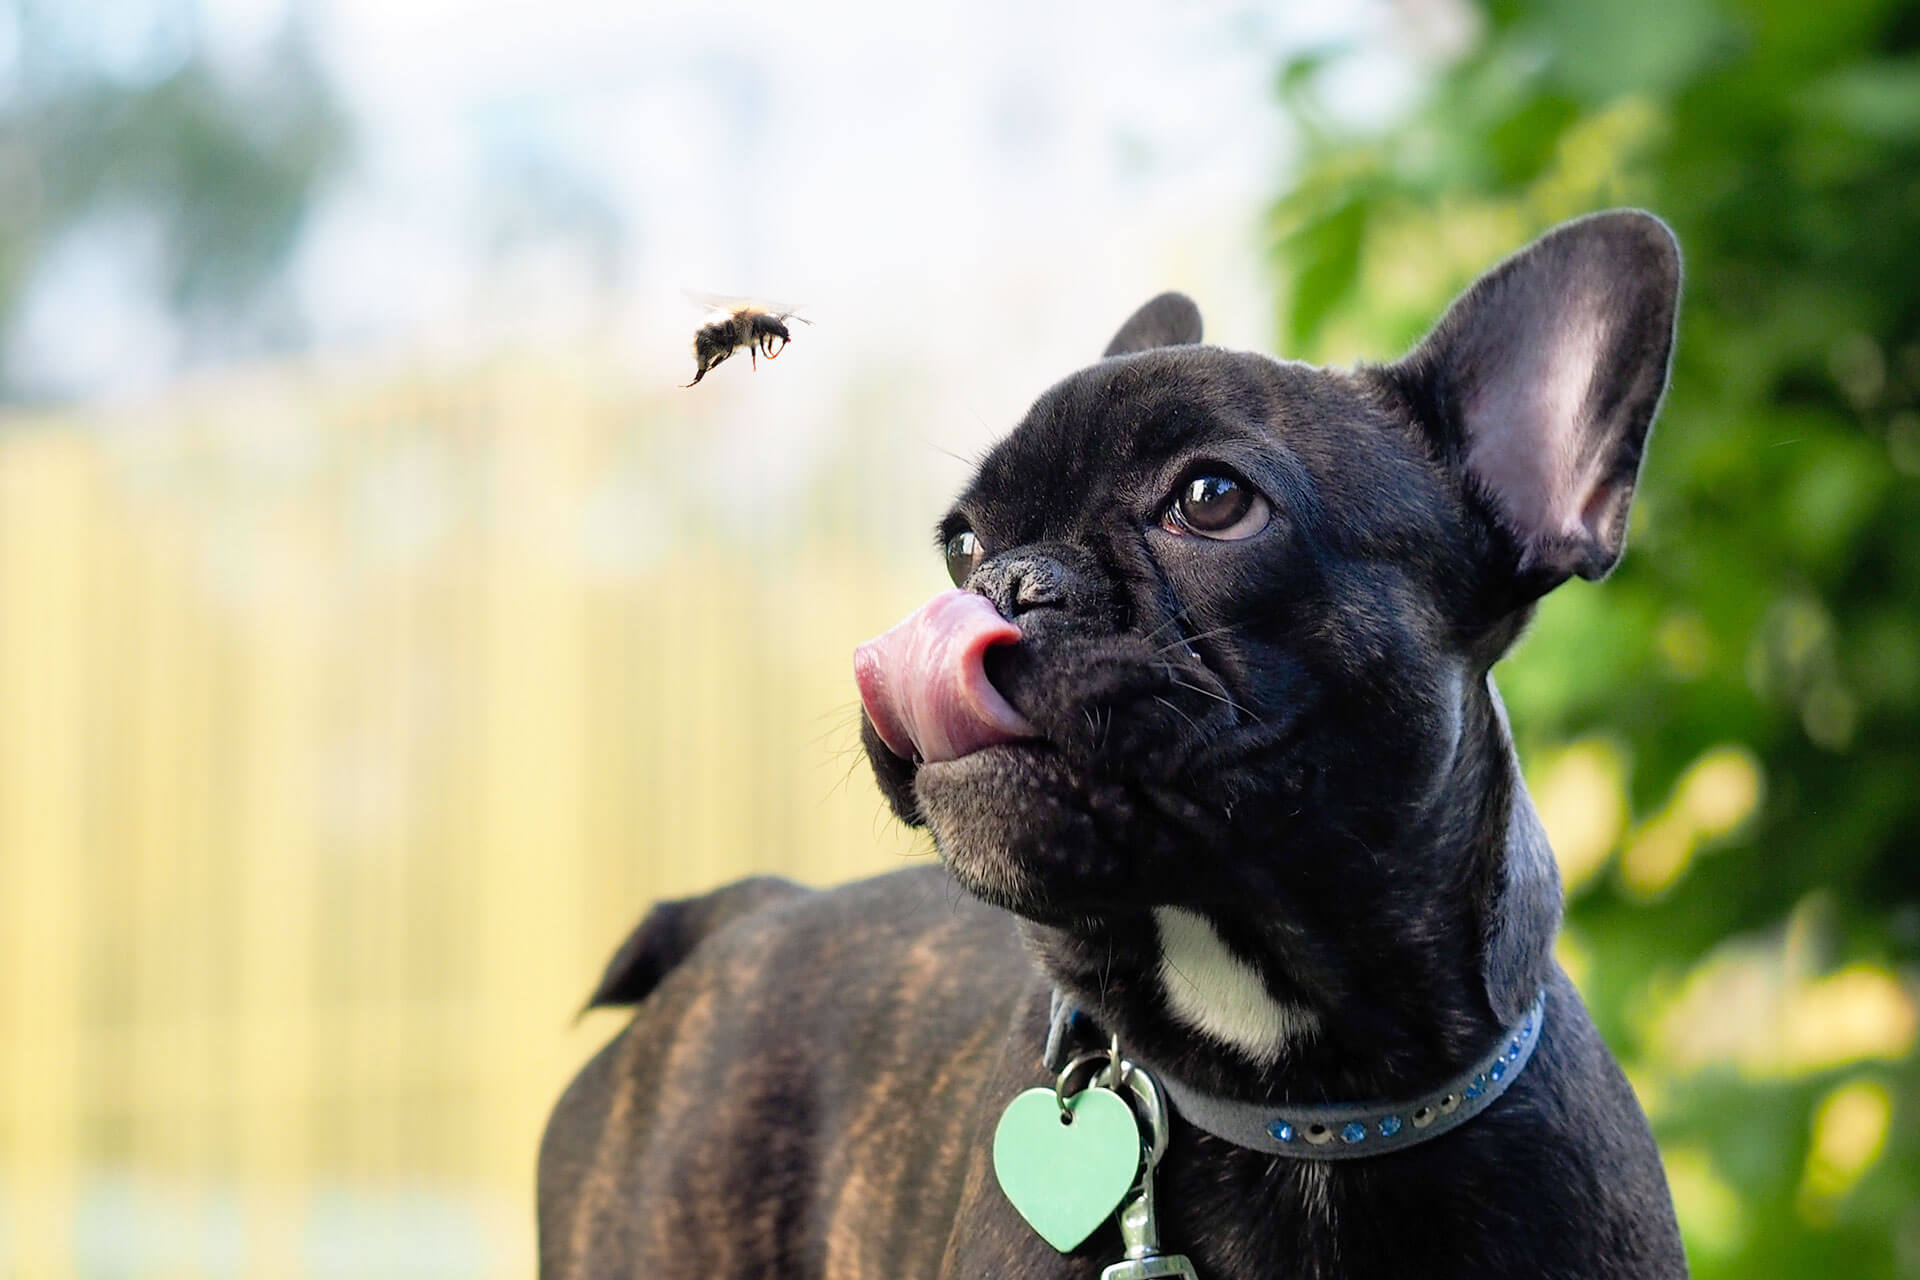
(345, 727)
(44, 811)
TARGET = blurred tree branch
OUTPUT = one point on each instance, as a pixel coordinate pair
(225, 169)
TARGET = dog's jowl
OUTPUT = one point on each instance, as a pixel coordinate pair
(1206, 738)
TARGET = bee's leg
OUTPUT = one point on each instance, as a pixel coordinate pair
(706, 364)
(753, 355)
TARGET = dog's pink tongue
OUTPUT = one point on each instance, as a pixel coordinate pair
(924, 683)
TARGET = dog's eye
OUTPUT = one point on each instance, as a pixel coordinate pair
(1217, 505)
(963, 556)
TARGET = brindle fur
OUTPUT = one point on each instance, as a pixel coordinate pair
(1294, 737)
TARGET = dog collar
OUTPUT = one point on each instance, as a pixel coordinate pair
(1340, 1131)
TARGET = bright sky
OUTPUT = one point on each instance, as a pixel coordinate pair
(976, 192)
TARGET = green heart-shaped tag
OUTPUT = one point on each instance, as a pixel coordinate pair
(1066, 1179)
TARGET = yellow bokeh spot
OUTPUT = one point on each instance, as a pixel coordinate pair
(1685, 644)
(1849, 1133)
(1571, 950)
(1857, 1013)
(1593, 165)
(1658, 856)
(1709, 1210)
(1754, 1008)
(1581, 795)
(1718, 792)
(1650, 1090)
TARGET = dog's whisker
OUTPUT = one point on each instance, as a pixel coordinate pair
(1173, 620)
(1106, 971)
(1208, 634)
(1218, 697)
(1177, 711)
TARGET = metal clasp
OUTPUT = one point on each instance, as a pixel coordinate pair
(1139, 1228)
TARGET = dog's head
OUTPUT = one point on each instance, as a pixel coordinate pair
(1224, 623)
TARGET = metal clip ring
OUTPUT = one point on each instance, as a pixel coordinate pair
(1146, 1091)
(1151, 1105)
(1060, 1085)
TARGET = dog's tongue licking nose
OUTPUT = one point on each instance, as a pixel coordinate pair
(925, 685)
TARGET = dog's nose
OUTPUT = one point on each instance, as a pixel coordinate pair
(1037, 584)
(1022, 582)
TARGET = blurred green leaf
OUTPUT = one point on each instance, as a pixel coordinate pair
(1326, 258)
(224, 171)
(1881, 100)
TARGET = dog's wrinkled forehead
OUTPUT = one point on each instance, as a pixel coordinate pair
(1120, 422)
(1321, 443)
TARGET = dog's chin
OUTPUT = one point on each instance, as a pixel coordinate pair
(1013, 826)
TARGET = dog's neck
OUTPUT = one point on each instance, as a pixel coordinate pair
(1252, 1001)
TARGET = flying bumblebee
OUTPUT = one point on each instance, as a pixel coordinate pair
(762, 331)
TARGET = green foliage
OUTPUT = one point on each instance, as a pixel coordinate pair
(1757, 969)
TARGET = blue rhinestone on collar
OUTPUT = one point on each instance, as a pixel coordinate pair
(1340, 1132)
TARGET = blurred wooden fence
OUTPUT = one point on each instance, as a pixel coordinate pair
(342, 735)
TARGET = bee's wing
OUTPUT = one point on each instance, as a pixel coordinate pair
(727, 303)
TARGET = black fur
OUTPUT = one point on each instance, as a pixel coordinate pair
(1168, 320)
(669, 933)
(1294, 737)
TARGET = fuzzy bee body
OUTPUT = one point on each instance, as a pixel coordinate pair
(761, 332)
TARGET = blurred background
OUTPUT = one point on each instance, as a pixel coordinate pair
(382, 628)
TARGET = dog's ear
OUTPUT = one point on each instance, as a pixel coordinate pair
(1541, 382)
(1170, 320)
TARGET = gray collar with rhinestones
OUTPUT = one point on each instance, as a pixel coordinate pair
(1337, 1131)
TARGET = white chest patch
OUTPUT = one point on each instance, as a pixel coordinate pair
(1219, 994)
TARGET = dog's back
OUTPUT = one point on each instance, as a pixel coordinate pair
(825, 1033)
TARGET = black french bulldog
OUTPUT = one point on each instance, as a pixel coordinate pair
(1223, 764)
